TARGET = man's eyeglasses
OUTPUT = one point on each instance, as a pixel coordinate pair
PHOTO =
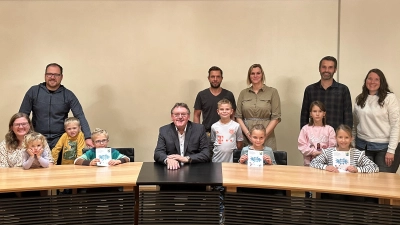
(177, 115)
(20, 124)
(101, 141)
(53, 74)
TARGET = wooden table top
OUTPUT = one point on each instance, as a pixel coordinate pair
(68, 176)
(301, 178)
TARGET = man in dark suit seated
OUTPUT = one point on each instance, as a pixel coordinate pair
(181, 142)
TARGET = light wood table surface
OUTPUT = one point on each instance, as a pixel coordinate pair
(385, 186)
(69, 176)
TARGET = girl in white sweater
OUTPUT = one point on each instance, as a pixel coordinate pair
(376, 121)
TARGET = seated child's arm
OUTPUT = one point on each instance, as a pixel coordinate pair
(321, 161)
(45, 157)
(271, 155)
(86, 159)
(243, 156)
(304, 145)
(118, 158)
(29, 157)
(364, 164)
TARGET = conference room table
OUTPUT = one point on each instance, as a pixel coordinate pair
(86, 208)
(186, 195)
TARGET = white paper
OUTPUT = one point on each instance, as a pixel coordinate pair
(104, 154)
(255, 158)
(341, 159)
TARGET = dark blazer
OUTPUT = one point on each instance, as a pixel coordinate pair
(196, 144)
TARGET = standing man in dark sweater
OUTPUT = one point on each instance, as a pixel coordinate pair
(50, 103)
(207, 100)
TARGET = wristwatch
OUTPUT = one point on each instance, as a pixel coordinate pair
(189, 159)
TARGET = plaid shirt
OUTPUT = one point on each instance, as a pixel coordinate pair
(336, 99)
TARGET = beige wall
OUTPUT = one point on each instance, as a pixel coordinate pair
(130, 61)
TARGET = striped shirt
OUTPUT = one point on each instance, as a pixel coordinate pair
(357, 159)
(336, 99)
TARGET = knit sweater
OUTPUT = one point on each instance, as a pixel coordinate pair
(377, 124)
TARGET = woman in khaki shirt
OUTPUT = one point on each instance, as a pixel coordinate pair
(259, 104)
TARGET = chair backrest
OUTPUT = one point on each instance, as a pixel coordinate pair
(280, 157)
(130, 152)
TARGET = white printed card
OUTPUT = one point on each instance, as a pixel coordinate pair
(104, 154)
(255, 158)
(341, 160)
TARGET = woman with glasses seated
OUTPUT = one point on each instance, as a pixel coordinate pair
(12, 149)
(100, 139)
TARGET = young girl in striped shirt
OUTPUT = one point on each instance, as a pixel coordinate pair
(359, 163)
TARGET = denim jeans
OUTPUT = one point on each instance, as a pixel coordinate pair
(378, 157)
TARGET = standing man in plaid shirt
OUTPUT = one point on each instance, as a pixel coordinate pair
(334, 95)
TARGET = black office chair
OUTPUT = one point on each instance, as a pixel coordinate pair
(130, 152)
(280, 157)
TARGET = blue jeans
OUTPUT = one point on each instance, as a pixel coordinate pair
(378, 157)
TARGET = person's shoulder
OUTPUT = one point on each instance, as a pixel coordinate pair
(268, 149)
(192, 125)
(339, 85)
(391, 96)
(329, 128)
(226, 91)
(330, 149)
(167, 127)
(80, 135)
(245, 90)
(204, 91)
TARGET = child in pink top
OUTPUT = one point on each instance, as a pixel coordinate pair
(316, 135)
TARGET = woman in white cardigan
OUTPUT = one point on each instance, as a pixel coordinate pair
(376, 122)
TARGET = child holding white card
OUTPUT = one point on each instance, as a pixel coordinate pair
(100, 139)
(358, 161)
(257, 137)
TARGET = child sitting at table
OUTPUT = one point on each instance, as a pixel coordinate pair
(358, 162)
(71, 143)
(37, 152)
(257, 137)
(100, 139)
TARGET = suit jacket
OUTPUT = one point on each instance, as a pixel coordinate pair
(196, 144)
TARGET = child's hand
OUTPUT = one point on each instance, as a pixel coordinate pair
(267, 159)
(332, 169)
(243, 159)
(30, 152)
(316, 153)
(114, 162)
(94, 162)
(352, 169)
(39, 152)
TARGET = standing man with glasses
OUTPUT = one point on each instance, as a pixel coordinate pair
(181, 142)
(50, 103)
